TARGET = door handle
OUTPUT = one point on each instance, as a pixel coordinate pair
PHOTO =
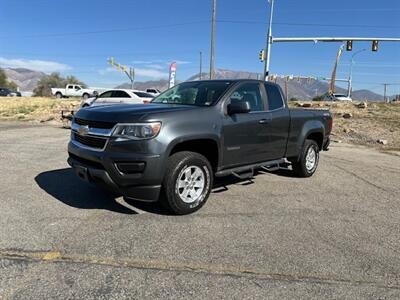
(263, 121)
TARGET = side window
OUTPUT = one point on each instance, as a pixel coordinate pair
(249, 92)
(120, 94)
(77, 88)
(70, 87)
(275, 100)
(106, 95)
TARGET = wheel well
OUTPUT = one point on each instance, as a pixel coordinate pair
(316, 137)
(206, 147)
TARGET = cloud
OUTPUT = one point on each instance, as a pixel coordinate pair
(37, 65)
(182, 62)
(155, 66)
(150, 73)
(107, 71)
(145, 62)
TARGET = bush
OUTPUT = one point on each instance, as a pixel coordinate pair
(318, 98)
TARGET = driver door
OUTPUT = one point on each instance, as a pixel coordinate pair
(245, 137)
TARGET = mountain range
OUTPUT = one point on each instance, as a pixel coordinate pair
(300, 89)
(25, 79)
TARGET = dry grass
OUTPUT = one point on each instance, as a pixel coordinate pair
(379, 121)
(34, 108)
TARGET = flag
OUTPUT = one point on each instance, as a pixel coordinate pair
(172, 74)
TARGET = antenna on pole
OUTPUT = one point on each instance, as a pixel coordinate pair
(201, 65)
(124, 69)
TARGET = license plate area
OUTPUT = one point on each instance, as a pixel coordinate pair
(82, 172)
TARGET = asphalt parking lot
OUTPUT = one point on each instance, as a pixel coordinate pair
(335, 235)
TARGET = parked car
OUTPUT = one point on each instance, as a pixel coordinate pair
(338, 97)
(154, 92)
(73, 90)
(171, 149)
(118, 96)
(6, 92)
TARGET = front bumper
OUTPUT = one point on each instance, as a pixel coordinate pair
(142, 182)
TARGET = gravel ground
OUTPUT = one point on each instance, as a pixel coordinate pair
(335, 235)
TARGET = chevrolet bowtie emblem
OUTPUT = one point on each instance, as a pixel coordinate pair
(83, 130)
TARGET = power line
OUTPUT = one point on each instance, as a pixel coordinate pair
(105, 31)
(307, 24)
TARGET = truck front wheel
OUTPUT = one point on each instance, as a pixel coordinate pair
(308, 161)
(187, 183)
(85, 96)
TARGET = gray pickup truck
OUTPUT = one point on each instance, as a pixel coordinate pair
(171, 149)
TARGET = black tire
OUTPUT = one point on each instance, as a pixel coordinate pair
(85, 96)
(171, 194)
(300, 166)
(85, 105)
(59, 95)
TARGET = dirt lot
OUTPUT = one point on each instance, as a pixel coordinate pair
(366, 126)
(333, 236)
(378, 121)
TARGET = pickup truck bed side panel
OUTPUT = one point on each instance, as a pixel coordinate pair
(303, 123)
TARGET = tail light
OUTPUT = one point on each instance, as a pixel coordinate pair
(330, 124)
(146, 101)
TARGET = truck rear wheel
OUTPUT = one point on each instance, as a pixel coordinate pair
(187, 183)
(58, 95)
(308, 161)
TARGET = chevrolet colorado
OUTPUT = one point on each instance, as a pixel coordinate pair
(172, 148)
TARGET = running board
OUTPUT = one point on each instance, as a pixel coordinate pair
(269, 166)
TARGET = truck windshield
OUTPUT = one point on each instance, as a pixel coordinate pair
(202, 93)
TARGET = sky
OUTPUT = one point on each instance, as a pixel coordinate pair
(76, 37)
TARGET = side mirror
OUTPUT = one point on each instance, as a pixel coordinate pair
(241, 107)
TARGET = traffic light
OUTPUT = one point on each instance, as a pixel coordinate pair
(374, 46)
(349, 45)
(262, 55)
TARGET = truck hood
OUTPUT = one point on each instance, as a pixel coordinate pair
(127, 112)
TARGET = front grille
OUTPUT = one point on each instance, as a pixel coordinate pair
(94, 124)
(90, 141)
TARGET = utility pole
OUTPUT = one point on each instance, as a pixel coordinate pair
(350, 85)
(268, 42)
(201, 65)
(212, 55)
(385, 92)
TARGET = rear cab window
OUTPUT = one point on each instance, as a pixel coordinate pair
(274, 96)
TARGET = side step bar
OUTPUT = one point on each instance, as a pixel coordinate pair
(248, 170)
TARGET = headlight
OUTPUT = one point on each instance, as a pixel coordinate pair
(137, 131)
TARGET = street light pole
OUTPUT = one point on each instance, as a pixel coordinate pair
(214, 8)
(268, 42)
(350, 87)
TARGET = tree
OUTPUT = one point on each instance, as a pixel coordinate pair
(54, 80)
(4, 82)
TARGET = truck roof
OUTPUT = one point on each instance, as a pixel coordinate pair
(233, 80)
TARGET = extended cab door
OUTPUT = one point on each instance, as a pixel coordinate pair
(69, 90)
(245, 138)
(278, 122)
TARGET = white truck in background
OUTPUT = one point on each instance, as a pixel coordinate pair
(74, 90)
